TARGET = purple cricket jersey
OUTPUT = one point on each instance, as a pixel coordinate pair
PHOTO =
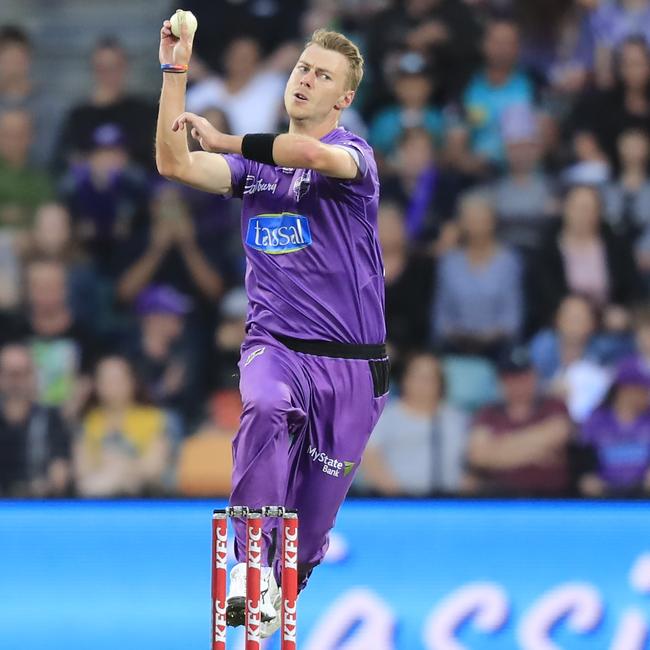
(313, 264)
(623, 448)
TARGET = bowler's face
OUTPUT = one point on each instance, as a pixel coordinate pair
(317, 84)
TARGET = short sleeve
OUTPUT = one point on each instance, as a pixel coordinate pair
(239, 168)
(366, 184)
(357, 156)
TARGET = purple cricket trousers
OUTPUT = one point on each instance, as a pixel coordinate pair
(306, 420)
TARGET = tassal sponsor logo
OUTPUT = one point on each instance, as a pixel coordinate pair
(278, 234)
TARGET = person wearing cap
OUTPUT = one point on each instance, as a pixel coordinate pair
(161, 355)
(106, 195)
(619, 433)
(520, 446)
(412, 88)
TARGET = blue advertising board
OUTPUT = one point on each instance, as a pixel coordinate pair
(435, 575)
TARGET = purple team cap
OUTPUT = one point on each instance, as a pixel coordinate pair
(631, 372)
(108, 135)
(162, 299)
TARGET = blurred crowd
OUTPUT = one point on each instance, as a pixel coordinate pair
(513, 142)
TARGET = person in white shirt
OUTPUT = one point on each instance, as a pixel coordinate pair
(251, 91)
(418, 445)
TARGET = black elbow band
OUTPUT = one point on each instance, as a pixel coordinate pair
(259, 147)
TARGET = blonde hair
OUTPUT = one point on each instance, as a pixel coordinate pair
(339, 43)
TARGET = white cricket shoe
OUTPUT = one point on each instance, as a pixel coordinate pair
(272, 597)
(236, 600)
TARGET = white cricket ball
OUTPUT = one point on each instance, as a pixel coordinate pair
(178, 18)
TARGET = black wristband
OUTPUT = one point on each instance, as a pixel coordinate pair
(259, 147)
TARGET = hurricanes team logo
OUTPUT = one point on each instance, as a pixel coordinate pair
(301, 184)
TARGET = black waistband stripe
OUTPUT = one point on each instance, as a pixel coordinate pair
(334, 348)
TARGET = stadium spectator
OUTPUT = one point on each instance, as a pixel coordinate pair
(250, 92)
(524, 196)
(109, 103)
(418, 445)
(588, 164)
(34, 441)
(228, 337)
(106, 196)
(161, 355)
(10, 280)
(270, 23)
(553, 43)
(444, 32)
(409, 286)
(583, 256)
(217, 222)
(425, 191)
(571, 358)
(498, 86)
(205, 458)
(608, 27)
(62, 348)
(70, 274)
(412, 88)
(627, 198)
(607, 113)
(520, 447)
(22, 186)
(619, 432)
(18, 90)
(52, 239)
(170, 253)
(125, 445)
(641, 326)
(219, 120)
(478, 304)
